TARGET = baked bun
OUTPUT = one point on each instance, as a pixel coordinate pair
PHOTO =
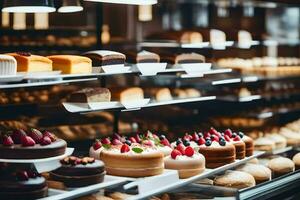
(259, 172)
(235, 179)
(296, 160)
(281, 166)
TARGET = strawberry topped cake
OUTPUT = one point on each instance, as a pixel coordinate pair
(186, 160)
(132, 160)
(32, 144)
(149, 140)
(236, 140)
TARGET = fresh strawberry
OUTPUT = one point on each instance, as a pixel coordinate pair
(195, 137)
(148, 143)
(227, 138)
(32, 174)
(7, 141)
(116, 142)
(189, 151)
(17, 135)
(22, 176)
(181, 148)
(228, 132)
(214, 138)
(105, 141)
(165, 142)
(50, 135)
(187, 137)
(207, 134)
(201, 141)
(218, 134)
(125, 148)
(175, 153)
(213, 131)
(237, 138)
(36, 135)
(132, 140)
(45, 141)
(27, 141)
(116, 136)
(137, 138)
(97, 145)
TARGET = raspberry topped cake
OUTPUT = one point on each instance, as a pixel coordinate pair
(32, 144)
(17, 183)
(236, 140)
(132, 160)
(216, 149)
(79, 172)
(186, 160)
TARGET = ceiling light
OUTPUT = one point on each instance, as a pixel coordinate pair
(69, 6)
(129, 2)
(28, 6)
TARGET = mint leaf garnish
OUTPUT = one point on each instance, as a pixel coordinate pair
(106, 146)
(137, 150)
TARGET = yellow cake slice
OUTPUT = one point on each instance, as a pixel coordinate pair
(27, 62)
(71, 64)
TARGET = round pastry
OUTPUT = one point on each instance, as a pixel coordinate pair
(22, 183)
(293, 138)
(280, 141)
(31, 145)
(259, 172)
(264, 144)
(281, 166)
(186, 161)
(296, 160)
(132, 161)
(253, 161)
(79, 172)
(235, 179)
(249, 145)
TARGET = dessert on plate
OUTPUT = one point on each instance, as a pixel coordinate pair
(88, 95)
(17, 183)
(186, 160)
(105, 57)
(239, 144)
(127, 94)
(235, 179)
(132, 160)
(32, 144)
(8, 65)
(71, 64)
(142, 57)
(27, 62)
(79, 172)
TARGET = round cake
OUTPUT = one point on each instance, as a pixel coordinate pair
(296, 160)
(281, 166)
(132, 161)
(249, 145)
(20, 183)
(217, 149)
(235, 179)
(79, 172)
(188, 162)
(239, 144)
(31, 145)
(259, 172)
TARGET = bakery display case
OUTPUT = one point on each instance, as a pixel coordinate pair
(167, 99)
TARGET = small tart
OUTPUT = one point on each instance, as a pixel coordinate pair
(186, 166)
(235, 179)
(259, 172)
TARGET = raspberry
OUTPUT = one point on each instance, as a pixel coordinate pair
(195, 137)
(189, 151)
(181, 148)
(175, 153)
(125, 148)
(165, 142)
(228, 132)
(201, 141)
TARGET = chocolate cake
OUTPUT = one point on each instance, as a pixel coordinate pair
(79, 172)
(21, 184)
(87, 95)
(105, 57)
(142, 57)
(31, 145)
(183, 58)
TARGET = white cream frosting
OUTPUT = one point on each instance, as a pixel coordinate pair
(105, 53)
(95, 153)
(166, 150)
